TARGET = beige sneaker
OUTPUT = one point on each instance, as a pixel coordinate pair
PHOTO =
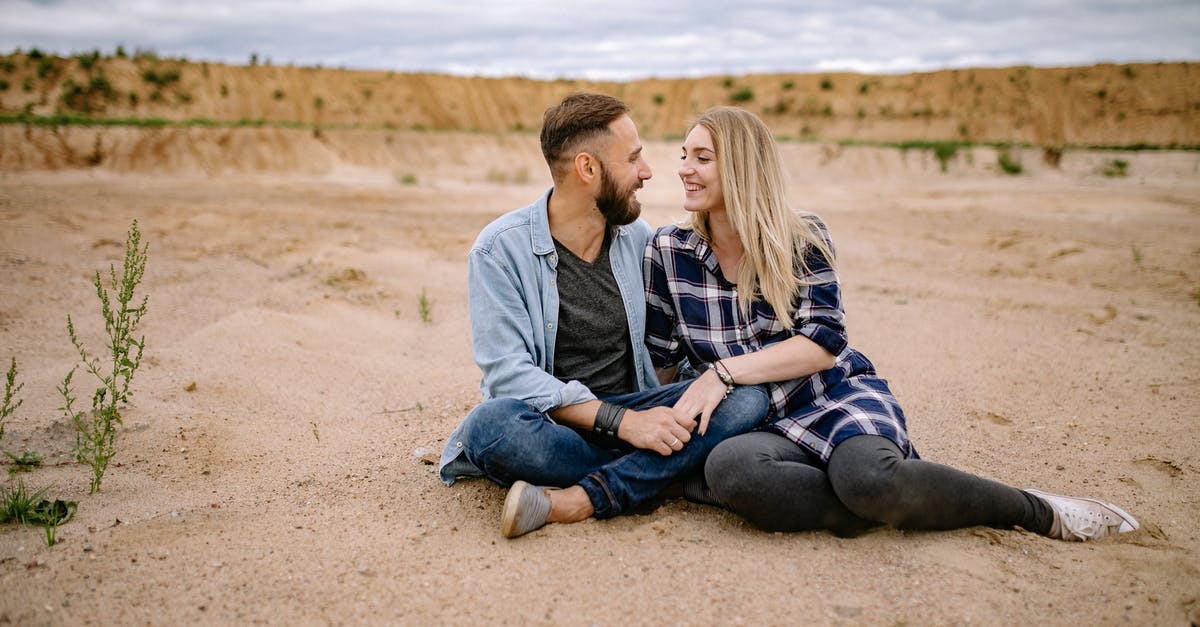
(1078, 518)
(526, 508)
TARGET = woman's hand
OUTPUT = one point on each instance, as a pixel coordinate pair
(702, 397)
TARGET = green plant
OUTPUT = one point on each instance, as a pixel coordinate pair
(21, 506)
(658, 99)
(88, 60)
(863, 87)
(3, 85)
(318, 103)
(944, 151)
(1007, 164)
(826, 84)
(425, 307)
(163, 78)
(27, 461)
(408, 178)
(727, 82)
(788, 85)
(11, 388)
(278, 95)
(743, 94)
(94, 431)
(1137, 254)
(1116, 168)
(45, 67)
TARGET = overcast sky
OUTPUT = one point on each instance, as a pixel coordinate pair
(618, 39)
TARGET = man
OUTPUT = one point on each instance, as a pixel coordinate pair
(557, 305)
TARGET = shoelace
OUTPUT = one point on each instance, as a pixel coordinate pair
(1085, 521)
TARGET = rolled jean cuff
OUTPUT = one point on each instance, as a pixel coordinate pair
(601, 496)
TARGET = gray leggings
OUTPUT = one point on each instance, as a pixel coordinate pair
(778, 486)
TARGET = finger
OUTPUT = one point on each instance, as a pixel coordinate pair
(704, 418)
(687, 420)
(681, 434)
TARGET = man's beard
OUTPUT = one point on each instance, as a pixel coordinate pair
(618, 207)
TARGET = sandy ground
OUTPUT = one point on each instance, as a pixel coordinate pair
(1042, 330)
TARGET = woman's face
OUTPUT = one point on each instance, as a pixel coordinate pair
(698, 171)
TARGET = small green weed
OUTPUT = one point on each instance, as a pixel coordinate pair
(95, 430)
(425, 307)
(1137, 254)
(11, 388)
(408, 178)
(743, 94)
(1116, 168)
(27, 461)
(18, 505)
(1007, 164)
(826, 84)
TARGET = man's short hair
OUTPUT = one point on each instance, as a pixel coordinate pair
(571, 125)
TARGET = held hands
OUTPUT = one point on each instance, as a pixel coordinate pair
(702, 397)
(663, 430)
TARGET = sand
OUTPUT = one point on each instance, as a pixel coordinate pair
(274, 464)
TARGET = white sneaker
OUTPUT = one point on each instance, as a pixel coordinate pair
(1078, 518)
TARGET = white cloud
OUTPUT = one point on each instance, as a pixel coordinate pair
(621, 38)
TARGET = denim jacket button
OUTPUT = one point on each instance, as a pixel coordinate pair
(458, 444)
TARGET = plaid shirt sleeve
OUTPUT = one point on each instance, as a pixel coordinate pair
(818, 312)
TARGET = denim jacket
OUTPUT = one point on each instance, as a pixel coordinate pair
(511, 287)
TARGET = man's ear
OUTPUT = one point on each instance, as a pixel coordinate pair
(587, 168)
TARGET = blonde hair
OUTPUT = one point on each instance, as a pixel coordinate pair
(774, 237)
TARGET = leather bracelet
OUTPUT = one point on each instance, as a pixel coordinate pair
(725, 377)
(723, 373)
(608, 419)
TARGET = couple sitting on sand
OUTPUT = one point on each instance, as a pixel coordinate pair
(711, 355)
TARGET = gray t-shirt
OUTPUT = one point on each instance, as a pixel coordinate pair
(592, 344)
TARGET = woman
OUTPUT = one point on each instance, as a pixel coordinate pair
(836, 454)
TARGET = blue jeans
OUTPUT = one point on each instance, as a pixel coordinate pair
(509, 440)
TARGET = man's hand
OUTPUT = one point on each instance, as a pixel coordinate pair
(660, 429)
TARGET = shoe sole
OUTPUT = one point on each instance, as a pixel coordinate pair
(508, 517)
(1109, 506)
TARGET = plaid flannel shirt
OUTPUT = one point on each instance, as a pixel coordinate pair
(692, 311)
